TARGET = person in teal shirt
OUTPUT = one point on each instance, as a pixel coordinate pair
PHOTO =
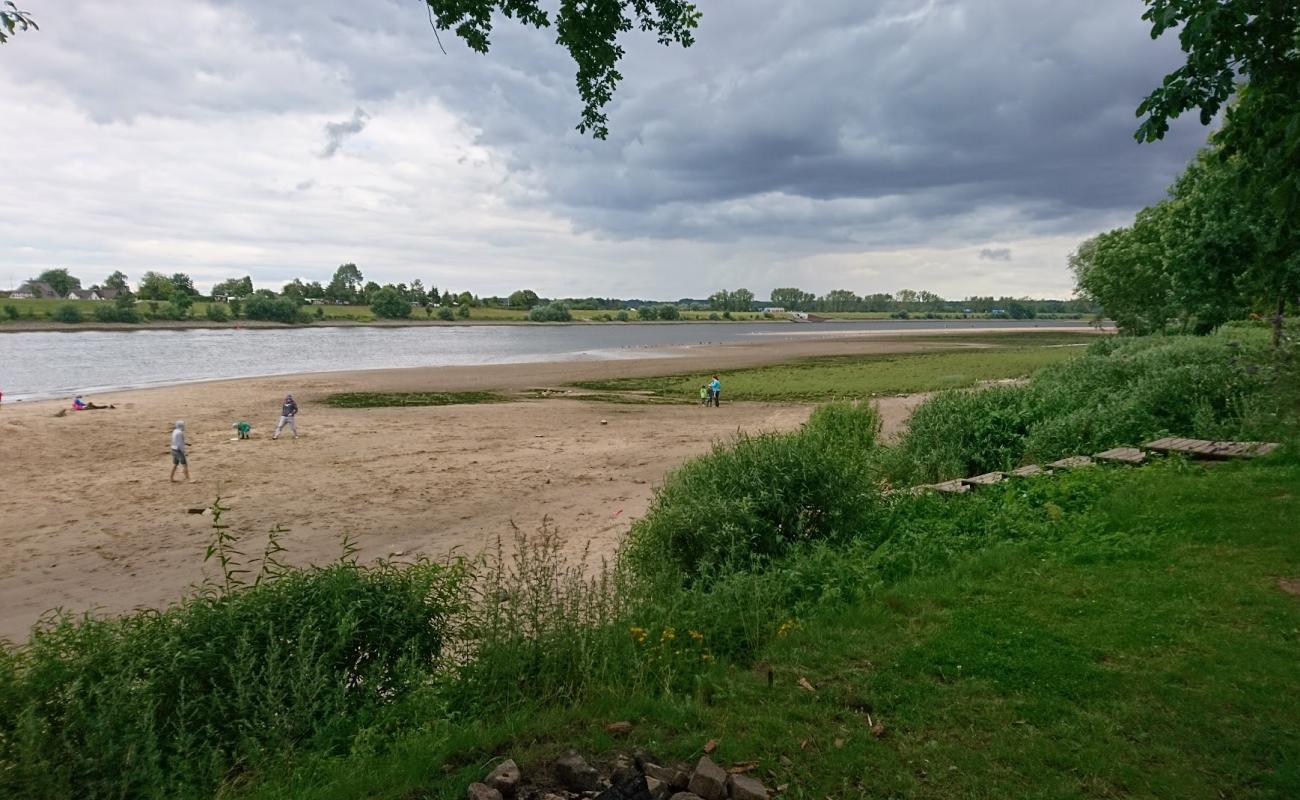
(715, 391)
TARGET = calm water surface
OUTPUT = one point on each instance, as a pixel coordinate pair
(40, 364)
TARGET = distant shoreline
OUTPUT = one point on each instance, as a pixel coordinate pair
(51, 326)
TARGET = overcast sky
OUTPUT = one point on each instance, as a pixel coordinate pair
(959, 146)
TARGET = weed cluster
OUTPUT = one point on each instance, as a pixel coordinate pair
(1122, 392)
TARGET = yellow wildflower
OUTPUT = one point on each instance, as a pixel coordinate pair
(696, 635)
(638, 634)
(668, 635)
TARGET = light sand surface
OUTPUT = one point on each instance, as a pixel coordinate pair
(88, 518)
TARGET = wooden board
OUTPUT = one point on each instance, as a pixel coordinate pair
(1122, 455)
(1028, 471)
(1073, 462)
(1204, 448)
(987, 479)
(949, 487)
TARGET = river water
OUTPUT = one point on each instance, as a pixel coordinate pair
(46, 364)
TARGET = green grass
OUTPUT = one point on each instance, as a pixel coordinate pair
(399, 399)
(852, 377)
(1140, 649)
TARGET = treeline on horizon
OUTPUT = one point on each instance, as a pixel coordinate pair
(349, 287)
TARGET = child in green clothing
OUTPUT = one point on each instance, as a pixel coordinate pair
(243, 428)
(704, 395)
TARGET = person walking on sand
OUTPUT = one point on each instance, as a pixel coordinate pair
(715, 391)
(178, 450)
(288, 411)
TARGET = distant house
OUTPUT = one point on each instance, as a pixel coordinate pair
(35, 290)
(103, 293)
(773, 310)
(83, 294)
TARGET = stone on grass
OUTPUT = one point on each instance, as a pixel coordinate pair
(709, 781)
(505, 778)
(576, 774)
(658, 789)
(481, 791)
(629, 785)
(675, 778)
(744, 787)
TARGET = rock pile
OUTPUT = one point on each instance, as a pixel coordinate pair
(640, 777)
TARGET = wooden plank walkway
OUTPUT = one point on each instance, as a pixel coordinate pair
(1073, 462)
(949, 487)
(1204, 448)
(987, 479)
(1122, 455)
(1028, 471)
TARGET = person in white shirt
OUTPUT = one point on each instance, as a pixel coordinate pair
(178, 450)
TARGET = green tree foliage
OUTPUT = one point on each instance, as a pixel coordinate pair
(155, 286)
(67, 313)
(647, 313)
(791, 299)
(446, 314)
(216, 312)
(60, 281)
(738, 300)
(117, 281)
(183, 285)
(313, 290)
(552, 312)
(345, 286)
(669, 312)
(273, 309)
(523, 298)
(1229, 42)
(235, 287)
(462, 311)
(295, 290)
(12, 20)
(589, 31)
(389, 304)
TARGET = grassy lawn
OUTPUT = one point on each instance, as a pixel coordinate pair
(848, 377)
(400, 399)
(1146, 652)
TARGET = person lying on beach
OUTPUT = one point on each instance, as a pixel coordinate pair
(81, 405)
(242, 428)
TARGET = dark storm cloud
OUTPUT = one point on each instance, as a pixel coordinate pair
(995, 254)
(336, 133)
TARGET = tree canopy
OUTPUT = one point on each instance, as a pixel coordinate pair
(60, 281)
(13, 20)
(1250, 49)
(588, 30)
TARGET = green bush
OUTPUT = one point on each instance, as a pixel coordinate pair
(67, 313)
(273, 309)
(462, 311)
(647, 313)
(551, 312)
(115, 313)
(1122, 392)
(216, 312)
(388, 303)
(165, 704)
(621, 316)
(754, 499)
(669, 312)
(11, 311)
(446, 314)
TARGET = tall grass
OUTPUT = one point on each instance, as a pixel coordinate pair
(754, 498)
(173, 703)
(1122, 392)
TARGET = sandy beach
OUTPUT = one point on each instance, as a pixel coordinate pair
(88, 518)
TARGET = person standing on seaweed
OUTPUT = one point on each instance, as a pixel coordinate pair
(288, 410)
